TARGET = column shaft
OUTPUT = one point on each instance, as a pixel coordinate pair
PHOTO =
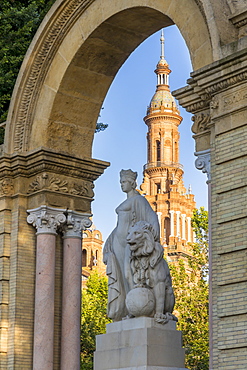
(46, 220)
(178, 224)
(189, 228)
(172, 222)
(183, 226)
(44, 303)
(71, 307)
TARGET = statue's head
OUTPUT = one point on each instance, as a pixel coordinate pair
(128, 176)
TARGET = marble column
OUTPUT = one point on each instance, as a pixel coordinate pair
(71, 296)
(189, 228)
(178, 224)
(45, 220)
(183, 226)
(172, 222)
(203, 163)
(159, 214)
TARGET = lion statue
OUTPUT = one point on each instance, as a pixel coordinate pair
(150, 270)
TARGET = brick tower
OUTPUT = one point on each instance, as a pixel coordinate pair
(91, 253)
(163, 174)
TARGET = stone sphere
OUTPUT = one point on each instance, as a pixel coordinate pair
(140, 302)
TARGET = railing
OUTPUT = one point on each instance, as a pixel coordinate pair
(162, 164)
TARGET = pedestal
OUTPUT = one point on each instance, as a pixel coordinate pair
(139, 344)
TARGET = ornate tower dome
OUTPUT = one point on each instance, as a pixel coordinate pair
(162, 99)
(163, 119)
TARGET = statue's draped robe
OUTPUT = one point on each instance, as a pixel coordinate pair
(116, 252)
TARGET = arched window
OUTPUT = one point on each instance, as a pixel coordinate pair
(84, 258)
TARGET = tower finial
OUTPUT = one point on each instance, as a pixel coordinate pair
(162, 41)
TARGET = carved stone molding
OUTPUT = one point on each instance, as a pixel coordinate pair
(201, 122)
(237, 5)
(225, 83)
(203, 162)
(6, 187)
(52, 171)
(239, 20)
(75, 223)
(46, 219)
(214, 104)
(200, 6)
(49, 43)
(58, 184)
(239, 16)
(205, 84)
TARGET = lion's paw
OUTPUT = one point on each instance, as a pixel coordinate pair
(161, 318)
(164, 318)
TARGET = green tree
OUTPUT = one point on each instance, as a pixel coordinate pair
(191, 291)
(100, 126)
(19, 21)
(94, 319)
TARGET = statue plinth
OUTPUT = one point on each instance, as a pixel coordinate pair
(139, 344)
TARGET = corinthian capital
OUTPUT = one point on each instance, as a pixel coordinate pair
(46, 219)
(203, 162)
(76, 222)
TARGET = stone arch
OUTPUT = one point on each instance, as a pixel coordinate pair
(73, 60)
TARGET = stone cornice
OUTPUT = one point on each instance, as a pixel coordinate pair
(239, 19)
(205, 83)
(50, 40)
(44, 160)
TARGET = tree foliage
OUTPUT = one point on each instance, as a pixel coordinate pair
(19, 20)
(191, 292)
(94, 319)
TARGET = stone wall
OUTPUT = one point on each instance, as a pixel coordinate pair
(220, 125)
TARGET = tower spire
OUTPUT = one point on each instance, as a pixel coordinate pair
(162, 68)
(162, 41)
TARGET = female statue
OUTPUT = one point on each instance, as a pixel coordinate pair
(116, 253)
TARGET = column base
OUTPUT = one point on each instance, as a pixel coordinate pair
(139, 344)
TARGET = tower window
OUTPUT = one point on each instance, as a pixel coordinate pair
(84, 258)
(158, 188)
(158, 150)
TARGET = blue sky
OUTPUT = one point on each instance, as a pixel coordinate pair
(123, 143)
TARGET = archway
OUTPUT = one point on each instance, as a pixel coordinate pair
(59, 97)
